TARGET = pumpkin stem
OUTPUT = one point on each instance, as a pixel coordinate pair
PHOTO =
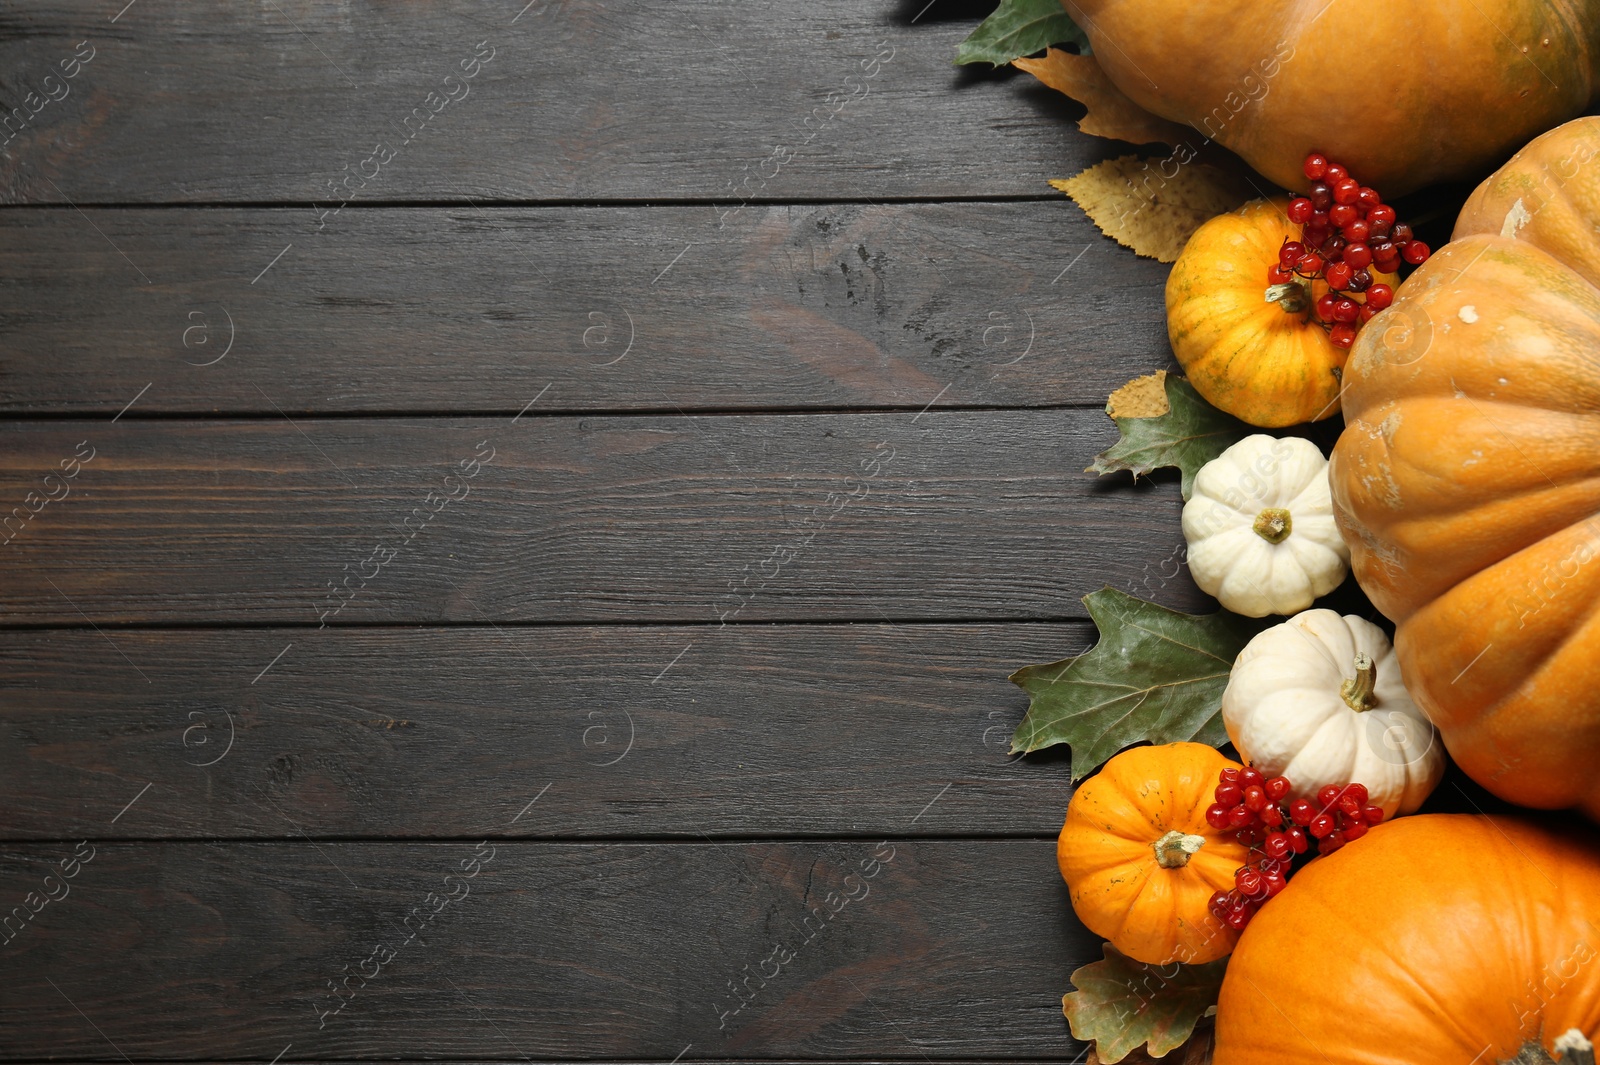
(1291, 296)
(1273, 525)
(1174, 849)
(1571, 1048)
(1358, 692)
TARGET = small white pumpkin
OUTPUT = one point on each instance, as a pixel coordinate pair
(1319, 699)
(1260, 527)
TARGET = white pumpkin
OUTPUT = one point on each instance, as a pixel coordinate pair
(1319, 699)
(1260, 527)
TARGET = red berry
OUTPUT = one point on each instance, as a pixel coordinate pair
(1335, 174)
(1346, 190)
(1300, 210)
(1325, 304)
(1338, 275)
(1274, 883)
(1279, 276)
(1316, 165)
(1297, 840)
(1250, 835)
(1290, 253)
(1276, 845)
(1320, 195)
(1271, 816)
(1320, 826)
(1248, 881)
(1368, 312)
(1399, 231)
(1331, 844)
(1372, 815)
(1415, 252)
(1255, 798)
(1229, 775)
(1346, 310)
(1239, 817)
(1319, 220)
(1356, 232)
(1249, 775)
(1360, 280)
(1343, 215)
(1349, 806)
(1301, 812)
(1354, 832)
(1358, 255)
(1219, 904)
(1389, 264)
(1379, 297)
(1368, 199)
(1310, 265)
(1229, 794)
(1343, 335)
(1217, 815)
(1237, 919)
(1381, 215)
(1277, 788)
(1328, 795)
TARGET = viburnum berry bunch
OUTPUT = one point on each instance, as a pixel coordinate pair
(1255, 809)
(1347, 231)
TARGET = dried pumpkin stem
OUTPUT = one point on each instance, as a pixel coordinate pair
(1358, 692)
(1571, 1048)
(1175, 848)
(1274, 525)
(1291, 296)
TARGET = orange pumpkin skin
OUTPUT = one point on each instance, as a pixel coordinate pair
(1107, 855)
(1247, 356)
(1435, 938)
(1451, 90)
(1467, 480)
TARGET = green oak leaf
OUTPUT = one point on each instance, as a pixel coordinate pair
(1019, 28)
(1122, 1004)
(1188, 436)
(1155, 676)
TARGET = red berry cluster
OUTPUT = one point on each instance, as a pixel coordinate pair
(1252, 807)
(1346, 229)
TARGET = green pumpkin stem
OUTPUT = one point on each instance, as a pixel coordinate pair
(1358, 692)
(1292, 296)
(1274, 525)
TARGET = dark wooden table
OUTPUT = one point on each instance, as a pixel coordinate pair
(519, 518)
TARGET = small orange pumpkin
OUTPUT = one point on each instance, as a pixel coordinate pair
(1436, 938)
(1140, 861)
(1268, 363)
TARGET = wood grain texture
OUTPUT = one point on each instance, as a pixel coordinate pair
(476, 310)
(752, 731)
(662, 101)
(913, 950)
(955, 515)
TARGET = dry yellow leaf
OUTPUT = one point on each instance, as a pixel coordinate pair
(1143, 397)
(1154, 206)
(1111, 114)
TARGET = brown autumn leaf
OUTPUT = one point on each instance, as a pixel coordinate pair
(1197, 1051)
(1143, 397)
(1154, 206)
(1111, 114)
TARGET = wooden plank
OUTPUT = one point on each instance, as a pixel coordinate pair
(363, 732)
(475, 310)
(312, 101)
(936, 516)
(913, 950)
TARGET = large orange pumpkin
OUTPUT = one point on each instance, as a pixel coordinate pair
(1467, 481)
(1403, 93)
(1437, 938)
(1140, 861)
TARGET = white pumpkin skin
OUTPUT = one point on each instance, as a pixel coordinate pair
(1285, 711)
(1238, 553)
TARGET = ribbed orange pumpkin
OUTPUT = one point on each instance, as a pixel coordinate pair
(1139, 859)
(1467, 481)
(1405, 94)
(1436, 938)
(1266, 363)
